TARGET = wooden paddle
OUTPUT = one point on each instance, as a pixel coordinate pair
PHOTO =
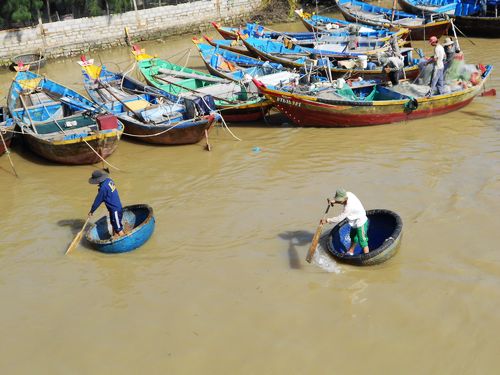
(315, 239)
(77, 239)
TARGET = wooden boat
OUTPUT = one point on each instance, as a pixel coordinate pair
(138, 222)
(421, 28)
(58, 123)
(385, 230)
(236, 67)
(322, 24)
(149, 114)
(232, 99)
(466, 14)
(312, 38)
(300, 58)
(235, 46)
(340, 106)
(7, 128)
(338, 51)
(31, 60)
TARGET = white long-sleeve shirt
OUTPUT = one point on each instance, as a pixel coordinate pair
(353, 211)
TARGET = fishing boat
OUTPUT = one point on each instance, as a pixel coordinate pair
(468, 15)
(28, 60)
(322, 24)
(360, 65)
(338, 105)
(232, 99)
(7, 128)
(58, 123)
(138, 223)
(385, 231)
(421, 28)
(149, 114)
(236, 67)
(333, 51)
(313, 38)
(235, 46)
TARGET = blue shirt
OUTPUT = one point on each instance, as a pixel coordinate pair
(109, 195)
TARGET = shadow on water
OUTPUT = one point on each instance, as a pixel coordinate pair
(296, 238)
(476, 114)
(75, 225)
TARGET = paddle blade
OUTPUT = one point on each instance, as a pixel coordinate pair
(76, 240)
(314, 243)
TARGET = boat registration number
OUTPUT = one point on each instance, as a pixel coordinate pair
(288, 101)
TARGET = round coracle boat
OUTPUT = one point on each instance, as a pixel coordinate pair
(385, 230)
(138, 223)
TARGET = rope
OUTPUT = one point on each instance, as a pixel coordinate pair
(100, 157)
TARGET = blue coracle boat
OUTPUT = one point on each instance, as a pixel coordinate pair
(139, 224)
(384, 236)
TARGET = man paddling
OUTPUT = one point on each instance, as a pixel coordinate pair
(108, 194)
(356, 216)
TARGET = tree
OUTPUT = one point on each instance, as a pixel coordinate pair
(20, 11)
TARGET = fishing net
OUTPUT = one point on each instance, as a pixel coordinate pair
(346, 92)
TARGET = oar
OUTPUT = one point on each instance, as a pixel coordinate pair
(125, 105)
(77, 239)
(315, 239)
(208, 146)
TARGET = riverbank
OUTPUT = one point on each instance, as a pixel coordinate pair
(76, 36)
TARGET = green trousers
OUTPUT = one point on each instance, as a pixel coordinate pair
(360, 235)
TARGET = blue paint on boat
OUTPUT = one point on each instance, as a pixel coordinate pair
(138, 217)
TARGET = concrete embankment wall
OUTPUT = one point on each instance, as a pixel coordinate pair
(70, 37)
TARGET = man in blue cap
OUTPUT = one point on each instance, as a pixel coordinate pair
(356, 216)
(108, 194)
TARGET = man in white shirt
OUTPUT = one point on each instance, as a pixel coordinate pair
(438, 72)
(356, 216)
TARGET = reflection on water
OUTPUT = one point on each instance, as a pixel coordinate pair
(226, 264)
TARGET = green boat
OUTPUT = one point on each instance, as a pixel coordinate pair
(237, 102)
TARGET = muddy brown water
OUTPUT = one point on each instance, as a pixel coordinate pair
(222, 286)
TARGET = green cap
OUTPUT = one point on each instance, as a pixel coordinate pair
(340, 195)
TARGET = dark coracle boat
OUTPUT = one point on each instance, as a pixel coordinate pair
(385, 231)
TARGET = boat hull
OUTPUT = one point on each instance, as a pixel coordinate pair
(385, 231)
(74, 152)
(138, 222)
(307, 111)
(188, 133)
(7, 137)
(422, 32)
(486, 27)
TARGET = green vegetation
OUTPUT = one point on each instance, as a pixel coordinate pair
(20, 13)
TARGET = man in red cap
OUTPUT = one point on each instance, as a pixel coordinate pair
(437, 81)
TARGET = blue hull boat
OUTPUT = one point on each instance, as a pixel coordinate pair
(139, 224)
(384, 236)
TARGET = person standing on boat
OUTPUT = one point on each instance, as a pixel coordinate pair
(450, 50)
(356, 216)
(437, 81)
(393, 66)
(108, 194)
